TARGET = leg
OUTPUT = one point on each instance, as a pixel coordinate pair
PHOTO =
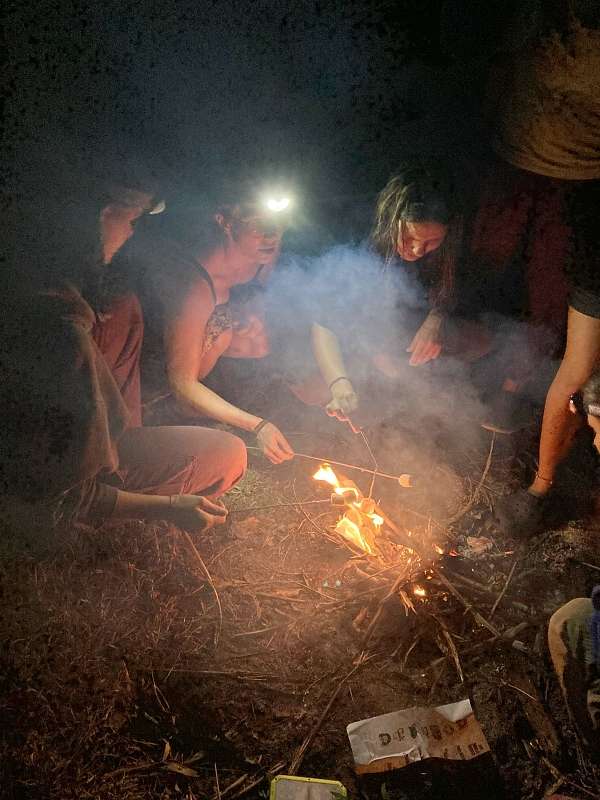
(180, 460)
(559, 425)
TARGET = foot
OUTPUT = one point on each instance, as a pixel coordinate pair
(507, 414)
(521, 514)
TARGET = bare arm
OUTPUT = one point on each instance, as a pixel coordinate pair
(184, 345)
(328, 355)
(184, 338)
(188, 511)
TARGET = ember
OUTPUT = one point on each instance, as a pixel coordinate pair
(360, 523)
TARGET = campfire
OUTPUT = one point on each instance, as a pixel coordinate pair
(360, 523)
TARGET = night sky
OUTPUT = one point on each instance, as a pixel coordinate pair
(335, 93)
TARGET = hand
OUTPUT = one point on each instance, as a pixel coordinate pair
(249, 339)
(194, 513)
(344, 400)
(274, 444)
(427, 343)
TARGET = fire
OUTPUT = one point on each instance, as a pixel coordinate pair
(361, 521)
(419, 591)
(351, 531)
(325, 473)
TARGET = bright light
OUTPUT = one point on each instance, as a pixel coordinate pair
(325, 473)
(277, 204)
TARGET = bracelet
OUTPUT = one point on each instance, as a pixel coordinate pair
(260, 426)
(544, 480)
(341, 378)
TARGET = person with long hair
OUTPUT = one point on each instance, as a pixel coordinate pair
(186, 264)
(70, 394)
(417, 235)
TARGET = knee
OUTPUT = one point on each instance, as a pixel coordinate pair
(235, 454)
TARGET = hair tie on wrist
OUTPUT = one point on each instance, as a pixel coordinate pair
(260, 426)
(341, 378)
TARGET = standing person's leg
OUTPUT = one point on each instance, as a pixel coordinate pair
(180, 460)
(119, 334)
(559, 426)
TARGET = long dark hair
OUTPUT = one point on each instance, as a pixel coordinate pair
(421, 192)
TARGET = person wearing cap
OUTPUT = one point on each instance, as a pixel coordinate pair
(186, 264)
(70, 396)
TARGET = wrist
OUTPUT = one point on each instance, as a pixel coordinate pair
(260, 426)
(341, 378)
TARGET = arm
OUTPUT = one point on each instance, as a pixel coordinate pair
(184, 338)
(328, 355)
(184, 344)
(190, 512)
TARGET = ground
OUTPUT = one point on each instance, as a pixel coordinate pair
(141, 663)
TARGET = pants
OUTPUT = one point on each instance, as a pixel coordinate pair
(180, 460)
(570, 648)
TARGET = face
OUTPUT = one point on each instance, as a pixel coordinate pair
(594, 423)
(118, 221)
(416, 239)
(256, 237)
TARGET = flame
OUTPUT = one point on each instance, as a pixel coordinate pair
(438, 549)
(359, 523)
(325, 473)
(419, 591)
(351, 531)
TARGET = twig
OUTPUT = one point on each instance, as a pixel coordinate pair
(278, 505)
(231, 786)
(373, 459)
(403, 480)
(504, 588)
(302, 749)
(194, 549)
(451, 647)
(272, 771)
(507, 636)
(461, 512)
(218, 792)
(476, 615)
(585, 564)
(382, 603)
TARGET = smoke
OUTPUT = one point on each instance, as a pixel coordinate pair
(419, 415)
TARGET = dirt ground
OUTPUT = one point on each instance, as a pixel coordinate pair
(140, 663)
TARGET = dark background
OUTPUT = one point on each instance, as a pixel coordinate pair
(333, 94)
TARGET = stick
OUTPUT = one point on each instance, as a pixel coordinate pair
(404, 480)
(451, 647)
(217, 787)
(375, 621)
(461, 512)
(504, 588)
(476, 615)
(277, 505)
(194, 549)
(301, 751)
(273, 770)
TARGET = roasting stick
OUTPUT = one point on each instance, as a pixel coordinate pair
(405, 480)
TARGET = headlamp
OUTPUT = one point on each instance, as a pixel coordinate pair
(276, 203)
